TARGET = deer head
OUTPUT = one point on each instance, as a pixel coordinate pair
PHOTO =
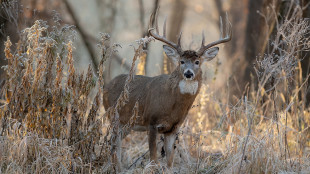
(189, 62)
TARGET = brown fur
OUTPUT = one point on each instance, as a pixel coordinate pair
(190, 54)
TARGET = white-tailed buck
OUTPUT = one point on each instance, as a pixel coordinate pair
(164, 100)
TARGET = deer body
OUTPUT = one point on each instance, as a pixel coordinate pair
(164, 100)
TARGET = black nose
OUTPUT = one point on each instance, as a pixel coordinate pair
(188, 74)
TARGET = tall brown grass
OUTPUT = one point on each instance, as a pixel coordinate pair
(52, 119)
(49, 123)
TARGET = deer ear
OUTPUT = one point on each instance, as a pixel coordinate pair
(209, 54)
(172, 54)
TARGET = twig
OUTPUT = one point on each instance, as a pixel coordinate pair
(142, 156)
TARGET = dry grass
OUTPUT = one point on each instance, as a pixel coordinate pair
(52, 119)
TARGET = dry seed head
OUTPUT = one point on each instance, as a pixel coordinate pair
(39, 71)
(50, 59)
(33, 36)
(7, 49)
(71, 70)
(88, 83)
(59, 72)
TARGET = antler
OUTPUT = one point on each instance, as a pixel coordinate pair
(163, 38)
(228, 34)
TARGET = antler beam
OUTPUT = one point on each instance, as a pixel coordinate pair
(228, 35)
(157, 36)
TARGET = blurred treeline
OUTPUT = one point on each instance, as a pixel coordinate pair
(254, 23)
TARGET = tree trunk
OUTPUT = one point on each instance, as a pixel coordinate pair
(237, 14)
(251, 32)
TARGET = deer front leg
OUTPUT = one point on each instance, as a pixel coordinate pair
(152, 143)
(169, 147)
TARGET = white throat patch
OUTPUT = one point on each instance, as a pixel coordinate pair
(188, 87)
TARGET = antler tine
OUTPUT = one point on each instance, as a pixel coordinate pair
(221, 27)
(151, 22)
(203, 38)
(179, 39)
(156, 21)
(227, 26)
(164, 27)
(228, 35)
(162, 38)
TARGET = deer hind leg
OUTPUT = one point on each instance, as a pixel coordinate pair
(169, 147)
(152, 143)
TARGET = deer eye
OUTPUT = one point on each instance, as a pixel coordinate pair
(182, 62)
(197, 62)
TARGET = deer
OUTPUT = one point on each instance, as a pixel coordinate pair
(164, 100)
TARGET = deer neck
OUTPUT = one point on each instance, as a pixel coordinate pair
(180, 86)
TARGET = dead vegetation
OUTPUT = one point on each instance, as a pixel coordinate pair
(52, 119)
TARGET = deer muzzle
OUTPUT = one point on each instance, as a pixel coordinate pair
(189, 74)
